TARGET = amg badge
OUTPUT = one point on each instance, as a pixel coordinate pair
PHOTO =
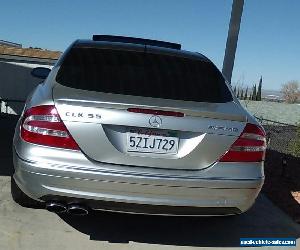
(223, 128)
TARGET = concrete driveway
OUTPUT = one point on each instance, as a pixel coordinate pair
(22, 228)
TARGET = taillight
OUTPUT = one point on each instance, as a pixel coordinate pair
(249, 147)
(42, 125)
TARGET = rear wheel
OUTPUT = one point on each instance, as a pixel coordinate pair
(21, 198)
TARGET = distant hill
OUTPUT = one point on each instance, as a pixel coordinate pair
(272, 95)
(266, 92)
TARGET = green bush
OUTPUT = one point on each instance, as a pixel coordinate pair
(295, 144)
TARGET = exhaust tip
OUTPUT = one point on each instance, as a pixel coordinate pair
(56, 207)
(77, 209)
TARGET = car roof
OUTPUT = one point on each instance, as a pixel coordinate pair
(87, 43)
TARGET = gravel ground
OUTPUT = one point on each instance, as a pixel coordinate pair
(280, 137)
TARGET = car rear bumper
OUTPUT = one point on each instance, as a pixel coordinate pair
(135, 194)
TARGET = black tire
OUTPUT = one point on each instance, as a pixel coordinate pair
(21, 198)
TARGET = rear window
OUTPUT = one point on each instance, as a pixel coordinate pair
(142, 74)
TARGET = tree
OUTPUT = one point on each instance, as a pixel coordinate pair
(291, 91)
(258, 95)
(238, 93)
(246, 94)
(234, 90)
(242, 95)
(254, 93)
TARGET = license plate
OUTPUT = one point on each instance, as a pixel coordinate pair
(151, 144)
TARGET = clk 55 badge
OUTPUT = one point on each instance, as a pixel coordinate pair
(83, 115)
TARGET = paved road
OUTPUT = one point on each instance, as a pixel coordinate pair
(32, 229)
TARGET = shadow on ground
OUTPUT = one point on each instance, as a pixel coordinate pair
(282, 180)
(282, 170)
(262, 220)
(7, 127)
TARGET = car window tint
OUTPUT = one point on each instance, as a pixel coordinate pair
(143, 74)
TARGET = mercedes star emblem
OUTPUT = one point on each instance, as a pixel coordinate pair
(155, 121)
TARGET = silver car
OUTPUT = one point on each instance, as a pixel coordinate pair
(138, 126)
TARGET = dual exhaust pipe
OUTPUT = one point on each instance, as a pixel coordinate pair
(74, 209)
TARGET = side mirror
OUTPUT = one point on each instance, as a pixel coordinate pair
(40, 72)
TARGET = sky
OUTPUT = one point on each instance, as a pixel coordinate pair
(268, 46)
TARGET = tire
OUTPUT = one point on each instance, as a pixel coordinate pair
(21, 198)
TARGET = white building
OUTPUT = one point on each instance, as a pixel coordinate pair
(16, 81)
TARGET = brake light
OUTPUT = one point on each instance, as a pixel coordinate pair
(156, 112)
(42, 125)
(249, 147)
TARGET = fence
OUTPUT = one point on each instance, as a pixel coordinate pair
(279, 132)
(11, 106)
(264, 121)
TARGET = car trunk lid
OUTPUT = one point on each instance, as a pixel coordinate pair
(102, 123)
